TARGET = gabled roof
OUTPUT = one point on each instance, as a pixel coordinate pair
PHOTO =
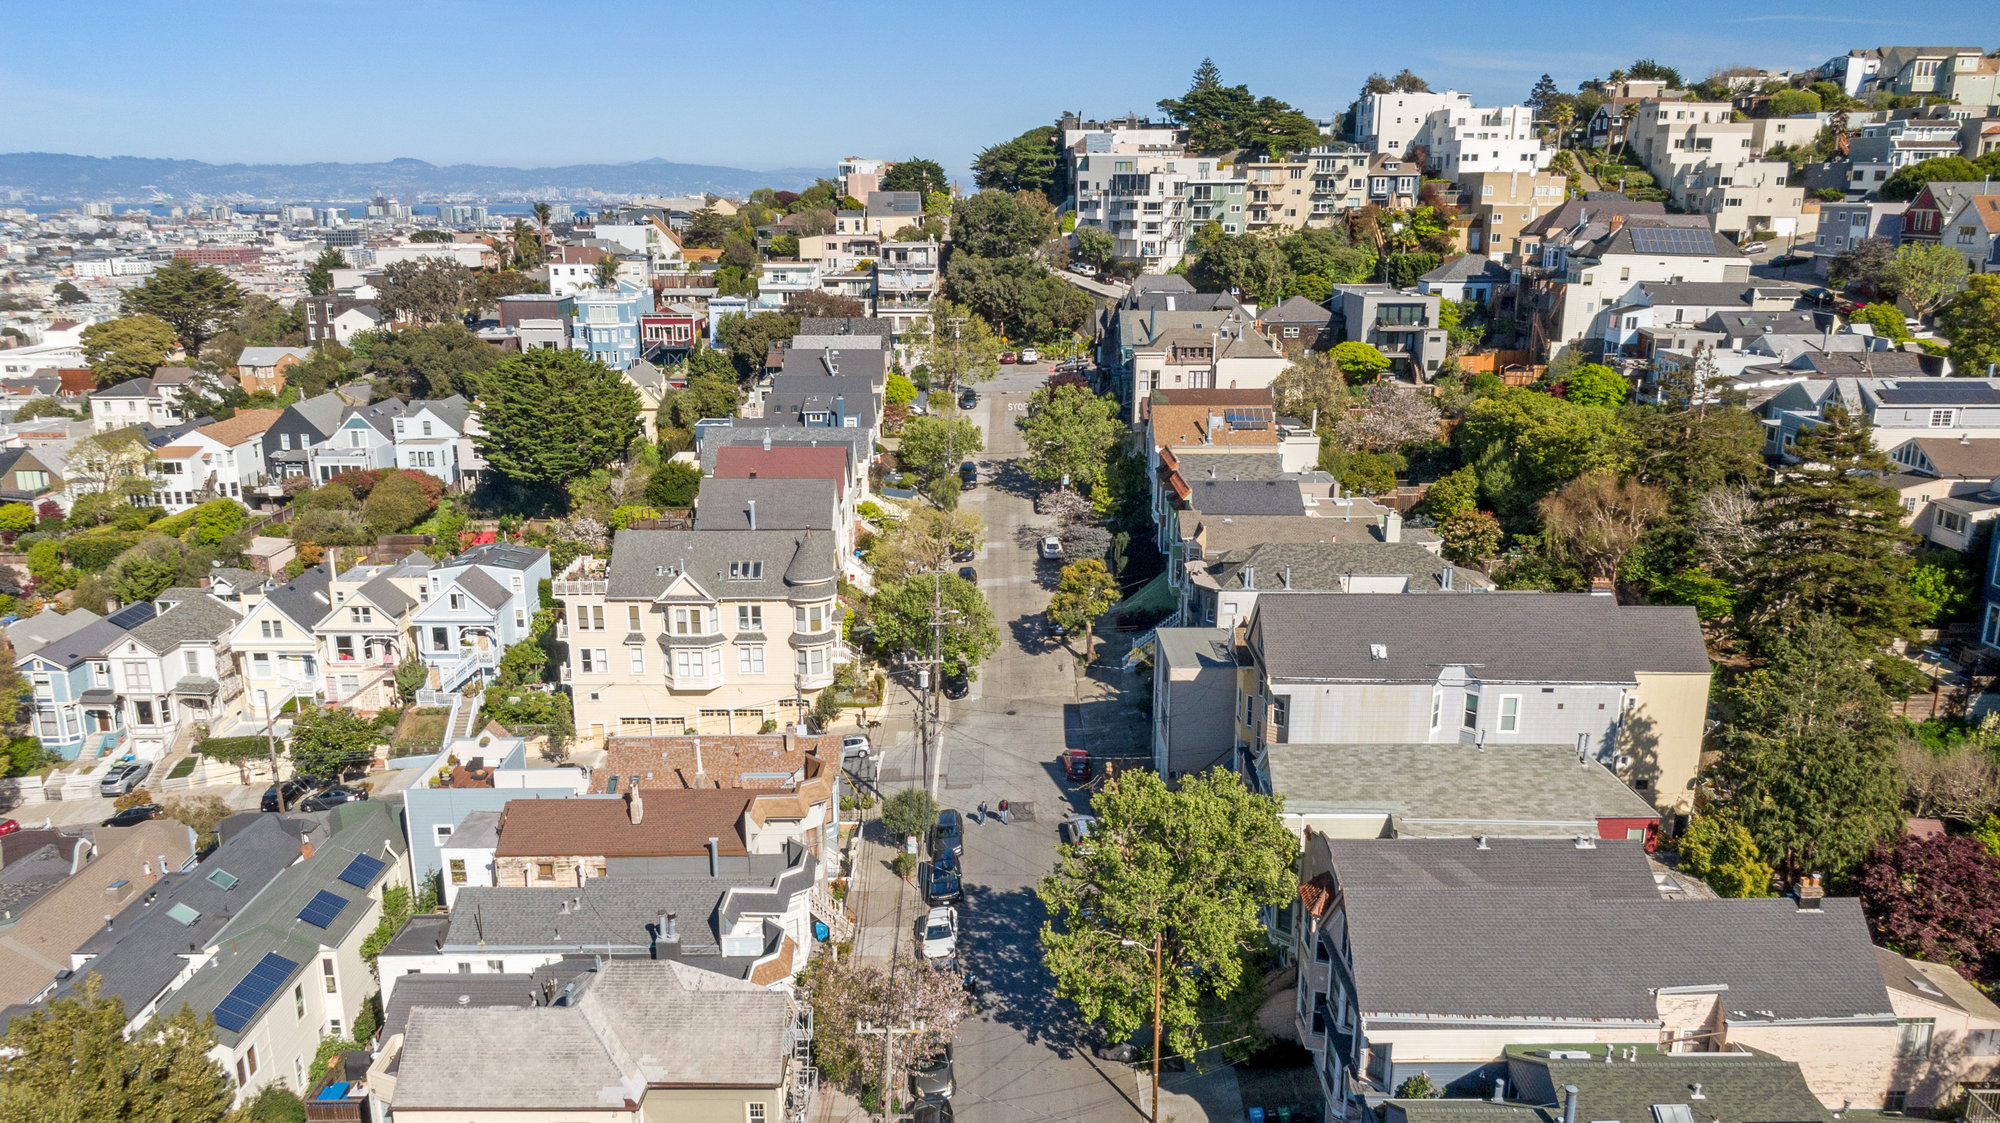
(269, 356)
(1969, 459)
(748, 461)
(481, 588)
(452, 411)
(198, 619)
(1456, 790)
(1296, 310)
(645, 563)
(303, 600)
(245, 425)
(87, 642)
(130, 388)
(1467, 267)
(725, 504)
(322, 413)
(33, 632)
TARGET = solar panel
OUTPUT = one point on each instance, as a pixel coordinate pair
(320, 911)
(1673, 239)
(361, 872)
(239, 1007)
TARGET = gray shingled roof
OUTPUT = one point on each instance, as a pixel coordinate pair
(1320, 566)
(1245, 497)
(1520, 790)
(323, 413)
(46, 627)
(482, 588)
(1735, 1088)
(724, 504)
(198, 619)
(1534, 928)
(383, 594)
(1511, 637)
(303, 600)
(644, 562)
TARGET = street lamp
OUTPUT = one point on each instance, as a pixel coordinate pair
(1156, 1018)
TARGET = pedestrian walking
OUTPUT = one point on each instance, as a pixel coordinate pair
(1004, 819)
(982, 812)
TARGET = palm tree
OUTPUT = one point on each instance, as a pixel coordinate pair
(542, 213)
(1628, 113)
(607, 271)
(525, 245)
(1561, 116)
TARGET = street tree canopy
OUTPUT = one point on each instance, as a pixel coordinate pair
(197, 301)
(1070, 433)
(554, 416)
(902, 613)
(127, 348)
(958, 347)
(1972, 322)
(328, 741)
(69, 1059)
(934, 446)
(1193, 867)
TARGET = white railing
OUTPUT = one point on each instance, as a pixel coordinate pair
(456, 674)
(435, 699)
(579, 587)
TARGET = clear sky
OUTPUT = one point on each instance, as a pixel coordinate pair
(784, 84)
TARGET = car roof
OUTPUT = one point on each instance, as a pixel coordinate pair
(941, 912)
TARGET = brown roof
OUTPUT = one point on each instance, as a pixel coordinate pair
(1317, 893)
(1987, 209)
(755, 761)
(780, 967)
(77, 380)
(58, 922)
(1969, 459)
(673, 822)
(577, 255)
(176, 452)
(1184, 426)
(796, 462)
(246, 424)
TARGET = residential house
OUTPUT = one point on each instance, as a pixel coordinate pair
(366, 633)
(537, 321)
(669, 335)
(1627, 1082)
(1885, 147)
(1214, 193)
(435, 437)
(1277, 194)
(222, 460)
(1294, 324)
(1974, 232)
(794, 781)
(1389, 123)
(57, 883)
(1340, 182)
(1897, 409)
(131, 402)
(1469, 276)
(779, 281)
(1843, 226)
(1461, 138)
(441, 822)
(721, 630)
(1230, 355)
(793, 462)
(907, 278)
(300, 426)
(1598, 266)
(1610, 126)
(573, 270)
(1220, 589)
(1909, 71)
(364, 440)
(768, 503)
(1433, 955)
(1706, 160)
(262, 369)
(27, 478)
(606, 326)
(478, 605)
(1403, 324)
(176, 670)
(1393, 181)
(754, 433)
(342, 314)
(1625, 684)
(276, 655)
(1925, 217)
(1947, 1033)
(77, 714)
(631, 1041)
(1503, 202)
(1131, 182)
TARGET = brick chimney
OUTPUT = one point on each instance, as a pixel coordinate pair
(1617, 223)
(635, 806)
(305, 846)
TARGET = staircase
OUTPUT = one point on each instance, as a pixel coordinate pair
(455, 675)
(464, 719)
(830, 912)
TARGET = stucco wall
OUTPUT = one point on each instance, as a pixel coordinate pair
(1662, 734)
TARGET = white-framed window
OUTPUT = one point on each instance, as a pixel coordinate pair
(327, 972)
(746, 570)
(637, 656)
(1281, 708)
(753, 1113)
(750, 660)
(749, 617)
(441, 833)
(1943, 418)
(1510, 713)
(1471, 719)
(809, 617)
(632, 618)
(812, 661)
(1913, 1036)
(1951, 522)
(361, 614)
(1437, 708)
(260, 664)
(272, 629)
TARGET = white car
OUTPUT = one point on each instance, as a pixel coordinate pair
(856, 744)
(1052, 547)
(1030, 355)
(940, 933)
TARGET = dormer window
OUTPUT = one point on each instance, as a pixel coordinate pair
(399, 427)
(361, 614)
(746, 570)
(457, 601)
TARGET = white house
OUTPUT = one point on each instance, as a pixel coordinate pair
(364, 440)
(175, 670)
(477, 605)
(431, 437)
(223, 460)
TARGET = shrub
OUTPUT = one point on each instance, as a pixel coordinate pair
(93, 552)
(334, 496)
(1720, 851)
(146, 570)
(909, 812)
(16, 518)
(133, 798)
(394, 504)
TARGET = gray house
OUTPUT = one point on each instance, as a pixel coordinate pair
(1401, 323)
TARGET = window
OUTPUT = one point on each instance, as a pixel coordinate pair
(361, 614)
(440, 833)
(1913, 1036)
(812, 661)
(1989, 632)
(746, 570)
(809, 618)
(144, 713)
(440, 639)
(458, 871)
(334, 1028)
(1943, 418)
(755, 1112)
(594, 660)
(632, 614)
(1471, 710)
(1896, 1100)
(1510, 713)
(138, 676)
(521, 619)
(1281, 706)
(750, 660)
(284, 442)
(299, 999)
(457, 601)
(250, 1056)
(1951, 522)
(749, 617)
(545, 871)
(273, 629)
(327, 973)
(638, 658)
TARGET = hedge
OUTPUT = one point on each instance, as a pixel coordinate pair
(232, 749)
(92, 552)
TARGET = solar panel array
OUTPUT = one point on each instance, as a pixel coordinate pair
(1673, 239)
(1247, 418)
(320, 911)
(361, 872)
(239, 1007)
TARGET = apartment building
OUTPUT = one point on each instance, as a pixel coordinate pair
(1462, 138)
(1139, 197)
(1707, 160)
(1277, 194)
(1340, 180)
(1215, 194)
(1500, 204)
(1842, 226)
(704, 630)
(1390, 123)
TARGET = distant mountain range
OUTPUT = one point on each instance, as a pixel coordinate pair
(56, 178)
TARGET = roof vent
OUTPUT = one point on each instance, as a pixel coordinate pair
(1483, 844)
(1378, 651)
(464, 1000)
(1585, 842)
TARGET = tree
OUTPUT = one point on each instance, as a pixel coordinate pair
(1094, 247)
(1830, 538)
(1312, 389)
(1219, 117)
(1085, 592)
(1026, 163)
(1792, 103)
(999, 224)
(846, 995)
(117, 463)
(1393, 417)
(199, 813)
(1594, 384)
(929, 540)
(66, 292)
(1070, 433)
(319, 278)
(1192, 868)
(1018, 296)
(1864, 263)
(1361, 362)
(327, 741)
(1526, 444)
(1960, 781)
(127, 348)
(1938, 899)
(195, 300)
(487, 288)
(1911, 179)
(216, 520)
(1719, 851)
(898, 390)
(1972, 322)
(748, 339)
(1927, 274)
(1250, 264)
(428, 290)
(934, 446)
(1807, 756)
(146, 570)
(909, 813)
(605, 273)
(903, 613)
(68, 1061)
(916, 174)
(957, 346)
(1885, 319)
(1597, 517)
(552, 416)
(395, 505)
(818, 303)
(674, 486)
(1470, 536)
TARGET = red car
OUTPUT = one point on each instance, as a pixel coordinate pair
(1008, 357)
(1076, 765)
(9, 826)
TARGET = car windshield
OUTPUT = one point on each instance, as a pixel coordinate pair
(931, 1064)
(938, 930)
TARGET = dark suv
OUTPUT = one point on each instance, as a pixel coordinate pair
(295, 790)
(948, 834)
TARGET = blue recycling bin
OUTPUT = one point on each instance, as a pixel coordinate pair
(821, 931)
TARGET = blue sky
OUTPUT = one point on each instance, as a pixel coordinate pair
(782, 84)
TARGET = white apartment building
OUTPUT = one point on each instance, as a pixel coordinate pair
(1707, 160)
(1390, 122)
(1139, 197)
(1465, 139)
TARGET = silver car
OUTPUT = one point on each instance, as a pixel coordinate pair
(124, 777)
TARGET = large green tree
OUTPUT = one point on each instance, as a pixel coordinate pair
(916, 174)
(1594, 384)
(958, 347)
(903, 614)
(1927, 275)
(69, 1061)
(1972, 322)
(195, 300)
(1019, 297)
(1830, 539)
(319, 278)
(933, 446)
(1026, 163)
(1526, 444)
(1808, 752)
(1249, 264)
(1001, 224)
(1085, 591)
(429, 290)
(554, 416)
(1219, 117)
(327, 741)
(429, 362)
(1910, 179)
(1192, 868)
(146, 570)
(1070, 433)
(748, 339)
(127, 348)
(1695, 439)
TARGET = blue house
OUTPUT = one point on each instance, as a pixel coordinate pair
(76, 710)
(607, 323)
(476, 605)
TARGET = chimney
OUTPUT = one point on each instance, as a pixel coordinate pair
(1288, 577)
(1600, 586)
(1499, 1089)
(636, 806)
(1569, 1103)
(1808, 893)
(767, 440)
(1617, 223)
(305, 846)
(714, 856)
(670, 928)
(1392, 526)
(1696, 1093)
(700, 773)
(753, 514)
(1444, 577)
(1249, 576)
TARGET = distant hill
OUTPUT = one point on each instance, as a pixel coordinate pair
(54, 178)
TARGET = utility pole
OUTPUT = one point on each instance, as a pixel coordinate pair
(271, 746)
(1157, 947)
(888, 1057)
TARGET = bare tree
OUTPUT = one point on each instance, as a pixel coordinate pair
(846, 996)
(929, 540)
(1313, 386)
(1597, 517)
(1392, 418)
(1727, 530)
(1961, 782)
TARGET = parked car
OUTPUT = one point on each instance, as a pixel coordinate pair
(968, 399)
(931, 1111)
(940, 934)
(1009, 357)
(957, 684)
(1821, 297)
(1076, 828)
(1076, 765)
(948, 833)
(942, 885)
(331, 798)
(1052, 547)
(968, 476)
(9, 826)
(124, 777)
(932, 1076)
(295, 790)
(856, 744)
(1083, 268)
(1755, 247)
(1030, 355)
(1790, 259)
(968, 574)
(134, 815)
